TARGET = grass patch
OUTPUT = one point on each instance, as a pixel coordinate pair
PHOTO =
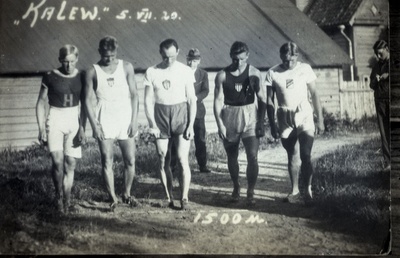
(348, 183)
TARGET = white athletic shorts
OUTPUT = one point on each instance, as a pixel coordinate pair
(239, 121)
(62, 125)
(114, 118)
(301, 119)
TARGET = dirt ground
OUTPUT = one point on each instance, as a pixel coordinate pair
(212, 226)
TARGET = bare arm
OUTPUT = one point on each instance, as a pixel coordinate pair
(130, 77)
(41, 114)
(89, 100)
(218, 103)
(271, 111)
(317, 105)
(261, 100)
(192, 99)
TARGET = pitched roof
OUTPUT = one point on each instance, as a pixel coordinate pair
(31, 45)
(331, 13)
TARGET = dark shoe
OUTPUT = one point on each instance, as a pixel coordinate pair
(250, 202)
(185, 205)
(113, 206)
(205, 170)
(167, 204)
(235, 194)
(294, 199)
(131, 201)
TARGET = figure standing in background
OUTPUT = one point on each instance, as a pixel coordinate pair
(379, 82)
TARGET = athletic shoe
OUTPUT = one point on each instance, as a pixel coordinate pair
(250, 199)
(205, 170)
(235, 194)
(113, 206)
(294, 199)
(185, 205)
(131, 201)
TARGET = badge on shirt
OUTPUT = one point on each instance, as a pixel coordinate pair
(238, 87)
(110, 82)
(166, 84)
(289, 83)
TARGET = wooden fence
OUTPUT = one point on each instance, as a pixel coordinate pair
(356, 99)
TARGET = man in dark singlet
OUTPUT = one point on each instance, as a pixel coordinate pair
(238, 116)
(62, 129)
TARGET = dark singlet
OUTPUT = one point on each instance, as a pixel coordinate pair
(63, 91)
(237, 89)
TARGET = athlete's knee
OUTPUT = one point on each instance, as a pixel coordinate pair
(305, 157)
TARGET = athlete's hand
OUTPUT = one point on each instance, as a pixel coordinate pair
(42, 137)
(320, 127)
(80, 138)
(222, 132)
(156, 132)
(98, 133)
(384, 76)
(275, 131)
(189, 133)
(260, 129)
(132, 130)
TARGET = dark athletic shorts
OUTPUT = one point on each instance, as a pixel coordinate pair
(171, 119)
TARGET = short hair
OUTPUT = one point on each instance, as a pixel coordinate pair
(68, 49)
(289, 49)
(380, 44)
(239, 47)
(108, 43)
(168, 43)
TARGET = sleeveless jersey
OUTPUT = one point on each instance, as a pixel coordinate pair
(63, 90)
(237, 89)
(112, 87)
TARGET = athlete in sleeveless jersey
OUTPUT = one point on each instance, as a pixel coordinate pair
(170, 105)
(291, 81)
(63, 127)
(111, 85)
(237, 116)
(113, 109)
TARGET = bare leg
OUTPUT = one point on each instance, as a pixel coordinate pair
(251, 146)
(306, 140)
(70, 164)
(128, 149)
(107, 159)
(165, 169)
(232, 153)
(58, 175)
(291, 146)
(182, 150)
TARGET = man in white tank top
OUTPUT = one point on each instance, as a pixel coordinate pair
(170, 104)
(111, 85)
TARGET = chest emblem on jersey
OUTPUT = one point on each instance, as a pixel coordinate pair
(166, 84)
(110, 82)
(289, 84)
(238, 87)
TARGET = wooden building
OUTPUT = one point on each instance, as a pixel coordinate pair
(33, 31)
(355, 25)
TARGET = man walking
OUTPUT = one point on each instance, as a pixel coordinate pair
(112, 83)
(238, 117)
(291, 81)
(170, 105)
